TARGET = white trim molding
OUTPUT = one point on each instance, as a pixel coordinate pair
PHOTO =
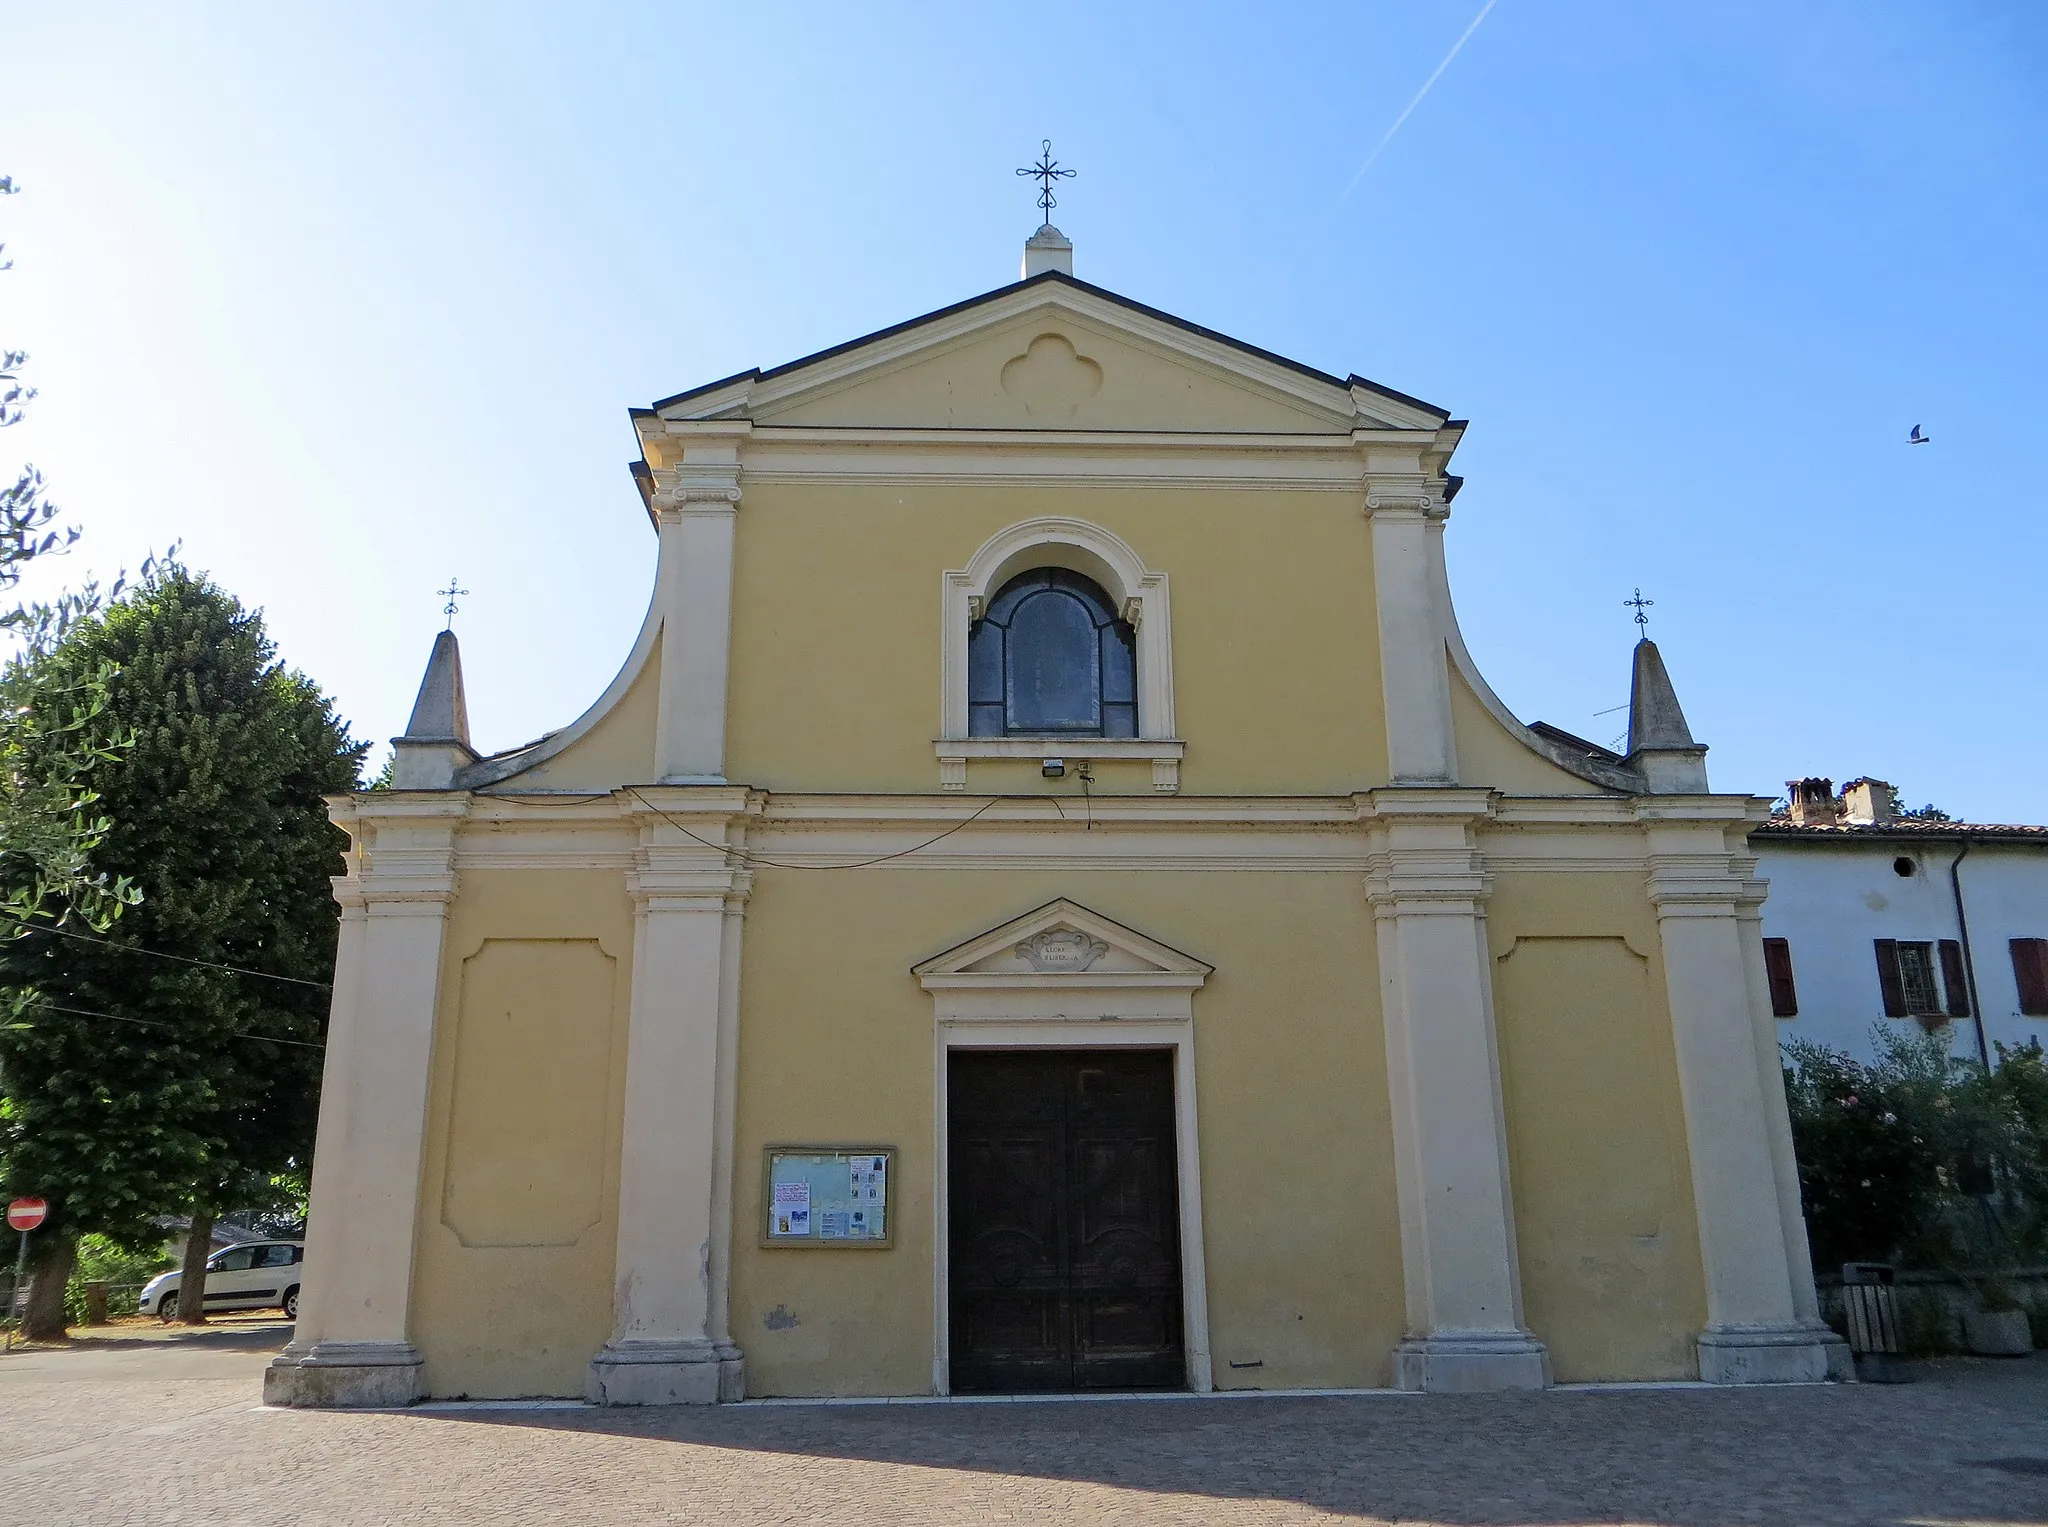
(1139, 593)
(1064, 977)
(1164, 752)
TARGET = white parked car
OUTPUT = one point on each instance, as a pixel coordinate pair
(252, 1276)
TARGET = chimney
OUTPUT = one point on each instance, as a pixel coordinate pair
(1048, 249)
(1869, 802)
(1813, 802)
(436, 740)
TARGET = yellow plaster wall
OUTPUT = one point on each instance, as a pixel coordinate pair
(1302, 1226)
(1490, 755)
(1604, 1216)
(1094, 380)
(618, 750)
(836, 627)
(518, 1224)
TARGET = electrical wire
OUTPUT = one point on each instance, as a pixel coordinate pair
(781, 864)
(154, 1023)
(158, 954)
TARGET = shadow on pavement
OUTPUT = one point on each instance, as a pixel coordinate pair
(1966, 1444)
(217, 1336)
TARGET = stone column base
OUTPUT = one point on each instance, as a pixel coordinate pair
(346, 1375)
(666, 1373)
(1765, 1354)
(1471, 1362)
(732, 1374)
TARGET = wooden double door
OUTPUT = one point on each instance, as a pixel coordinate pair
(1063, 1206)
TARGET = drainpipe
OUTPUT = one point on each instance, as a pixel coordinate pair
(1955, 882)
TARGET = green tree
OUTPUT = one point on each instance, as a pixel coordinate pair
(142, 1076)
(48, 827)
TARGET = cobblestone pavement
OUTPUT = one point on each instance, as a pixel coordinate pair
(146, 1427)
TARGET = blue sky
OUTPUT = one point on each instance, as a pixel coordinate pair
(347, 300)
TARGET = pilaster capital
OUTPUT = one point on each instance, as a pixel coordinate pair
(405, 849)
(1405, 496)
(694, 467)
(1404, 477)
(709, 888)
(1696, 884)
(675, 499)
(691, 856)
(1407, 884)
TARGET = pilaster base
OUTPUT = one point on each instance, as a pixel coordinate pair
(1471, 1362)
(1773, 1354)
(665, 1373)
(374, 1375)
(732, 1374)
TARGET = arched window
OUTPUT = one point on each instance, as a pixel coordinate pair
(1051, 658)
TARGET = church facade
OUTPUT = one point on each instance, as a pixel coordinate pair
(1048, 903)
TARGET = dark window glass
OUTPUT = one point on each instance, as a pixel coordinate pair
(1916, 978)
(1053, 673)
(984, 680)
(277, 1256)
(1051, 658)
(231, 1261)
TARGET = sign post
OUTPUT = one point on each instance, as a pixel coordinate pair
(24, 1214)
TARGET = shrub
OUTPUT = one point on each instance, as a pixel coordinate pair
(1920, 1158)
(101, 1261)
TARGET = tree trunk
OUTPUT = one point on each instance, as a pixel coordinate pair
(192, 1280)
(50, 1258)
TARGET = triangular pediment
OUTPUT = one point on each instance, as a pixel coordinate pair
(1062, 943)
(1053, 353)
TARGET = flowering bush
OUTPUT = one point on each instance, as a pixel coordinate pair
(1920, 1158)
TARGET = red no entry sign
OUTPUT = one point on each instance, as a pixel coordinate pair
(27, 1213)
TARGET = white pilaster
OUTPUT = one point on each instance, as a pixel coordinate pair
(1408, 512)
(671, 1341)
(1754, 1333)
(1465, 1330)
(1778, 1120)
(352, 1345)
(695, 510)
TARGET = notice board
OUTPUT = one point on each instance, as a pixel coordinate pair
(834, 1196)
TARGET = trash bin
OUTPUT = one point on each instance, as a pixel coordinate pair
(1871, 1298)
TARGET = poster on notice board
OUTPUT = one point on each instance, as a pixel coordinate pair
(831, 1196)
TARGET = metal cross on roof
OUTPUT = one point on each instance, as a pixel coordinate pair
(451, 594)
(1640, 604)
(1045, 172)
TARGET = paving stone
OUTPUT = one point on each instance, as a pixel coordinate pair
(170, 1431)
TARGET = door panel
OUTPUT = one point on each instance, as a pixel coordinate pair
(1064, 1210)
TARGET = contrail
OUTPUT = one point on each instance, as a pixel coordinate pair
(1380, 147)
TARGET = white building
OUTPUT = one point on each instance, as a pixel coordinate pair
(1877, 919)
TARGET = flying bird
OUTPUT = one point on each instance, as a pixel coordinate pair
(1916, 438)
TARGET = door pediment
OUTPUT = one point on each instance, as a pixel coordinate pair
(1062, 947)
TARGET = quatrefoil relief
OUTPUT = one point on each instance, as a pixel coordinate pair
(1051, 379)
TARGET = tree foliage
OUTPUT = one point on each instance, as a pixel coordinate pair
(48, 824)
(135, 1084)
(1921, 1158)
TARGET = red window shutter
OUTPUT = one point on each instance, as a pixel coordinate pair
(2030, 970)
(1888, 982)
(1953, 979)
(1778, 966)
